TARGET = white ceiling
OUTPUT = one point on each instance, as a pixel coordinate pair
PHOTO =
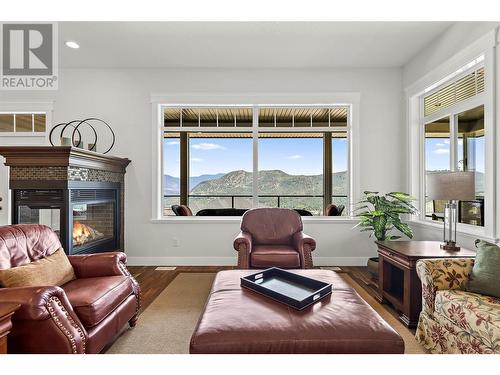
(244, 44)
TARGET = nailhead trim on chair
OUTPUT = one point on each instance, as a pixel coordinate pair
(308, 259)
(137, 288)
(243, 261)
(61, 326)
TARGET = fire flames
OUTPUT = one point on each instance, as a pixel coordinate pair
(83, 233)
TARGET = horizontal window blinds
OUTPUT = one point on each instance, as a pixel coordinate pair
(462, 89)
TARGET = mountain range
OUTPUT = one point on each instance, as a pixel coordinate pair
(271, 182)
(171, 184)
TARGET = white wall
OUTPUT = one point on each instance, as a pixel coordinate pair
(452, 41)
(122, 97)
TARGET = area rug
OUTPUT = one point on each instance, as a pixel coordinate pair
(165, 327)
(167, 324)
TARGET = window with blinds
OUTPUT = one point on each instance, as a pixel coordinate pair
(23, 122)
(464, 88)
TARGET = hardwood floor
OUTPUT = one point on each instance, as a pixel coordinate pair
(153, 280)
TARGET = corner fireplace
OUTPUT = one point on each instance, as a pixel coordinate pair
(87, 222)
(81, 201)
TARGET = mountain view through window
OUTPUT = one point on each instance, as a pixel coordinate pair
(290, 170)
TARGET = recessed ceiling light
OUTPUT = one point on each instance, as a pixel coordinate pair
(72, 44)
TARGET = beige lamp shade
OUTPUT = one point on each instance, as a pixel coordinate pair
(450, 186)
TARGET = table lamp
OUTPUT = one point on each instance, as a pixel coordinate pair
(451, 187)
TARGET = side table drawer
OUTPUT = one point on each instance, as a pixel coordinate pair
(394, 257)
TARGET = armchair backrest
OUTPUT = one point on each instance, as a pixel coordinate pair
(181, 210)
(24, 243)
(271, 226)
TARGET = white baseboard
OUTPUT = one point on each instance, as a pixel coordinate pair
(232, 261)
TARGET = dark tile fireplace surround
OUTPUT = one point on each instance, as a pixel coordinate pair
(77, 193)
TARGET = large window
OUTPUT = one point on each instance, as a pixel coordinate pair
(453, 126)
(256, 156)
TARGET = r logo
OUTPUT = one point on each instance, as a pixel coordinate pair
(27, 49)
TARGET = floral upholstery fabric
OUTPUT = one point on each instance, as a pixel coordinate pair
(453, 320)
(442, 274)
(439, 338)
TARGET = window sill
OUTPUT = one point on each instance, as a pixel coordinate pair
(470, 231)
(237, 219)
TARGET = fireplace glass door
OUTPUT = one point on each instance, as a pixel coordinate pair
(39, 207)
(86, 220)
(93, 224)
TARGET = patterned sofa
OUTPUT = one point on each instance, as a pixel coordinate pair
(453, 320)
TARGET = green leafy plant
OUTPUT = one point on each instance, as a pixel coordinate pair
(380, 214)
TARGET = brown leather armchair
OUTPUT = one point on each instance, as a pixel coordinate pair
(181, 210)
(273, 237)
(81, 316)
(333, 210)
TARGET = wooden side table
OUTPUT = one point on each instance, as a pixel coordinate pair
(6, 312)
(398, 282)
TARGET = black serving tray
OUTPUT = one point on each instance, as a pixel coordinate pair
(287, 287)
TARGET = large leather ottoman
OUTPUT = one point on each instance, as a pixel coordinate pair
(237, 320)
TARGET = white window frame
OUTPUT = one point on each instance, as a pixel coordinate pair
(415, 93)
(160, 101)
(21, 108)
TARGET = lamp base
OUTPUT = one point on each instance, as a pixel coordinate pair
(450, 246)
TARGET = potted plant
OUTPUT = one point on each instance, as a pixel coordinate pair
(380, 215)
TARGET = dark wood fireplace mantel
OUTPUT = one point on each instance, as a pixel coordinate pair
(61, 156)
(78, 193)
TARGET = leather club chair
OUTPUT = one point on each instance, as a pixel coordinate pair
(181, 210)
(81, 316)
(273, 237)
(333, 210)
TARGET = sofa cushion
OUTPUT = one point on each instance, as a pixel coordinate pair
(484, 276)
(54, 269)
(476, 314)
(94, 298)
(264, 256)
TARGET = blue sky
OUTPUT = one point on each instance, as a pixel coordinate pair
(437, 153)
(222, 155)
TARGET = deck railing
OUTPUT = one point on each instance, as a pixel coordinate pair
(235, 196)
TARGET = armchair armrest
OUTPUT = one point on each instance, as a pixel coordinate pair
(96, 265)
(243, 245)
(33, 300)
(45, 316)
(442, 274)
(304, 245)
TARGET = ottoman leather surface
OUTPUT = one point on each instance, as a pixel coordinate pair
(236, 320)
